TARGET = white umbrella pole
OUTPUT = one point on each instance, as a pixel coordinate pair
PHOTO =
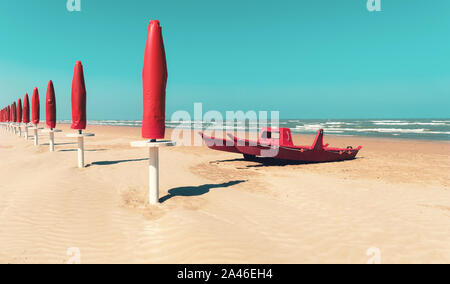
(153, 170)
(153, 166)
(26, 132)
(52, 140)
(51, 137)
(36, 138)
(80, 138)
(20, 130)
(81, 150)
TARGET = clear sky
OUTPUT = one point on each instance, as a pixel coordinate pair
(305, 58)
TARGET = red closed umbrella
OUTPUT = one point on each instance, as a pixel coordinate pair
(50, 106)
(8, 113)
(26, 109)
(14, 112)
(19, 111)
(36, 108)
(154, 77)
(78, 98)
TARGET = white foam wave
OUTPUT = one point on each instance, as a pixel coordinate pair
(387, 121)
(391, 130)
(408, 123)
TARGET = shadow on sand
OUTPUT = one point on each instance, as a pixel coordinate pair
(197, 190)
(270, 162)
(107, 163)
(58, 144)
(74, 150)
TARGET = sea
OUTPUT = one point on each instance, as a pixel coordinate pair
(423, 129)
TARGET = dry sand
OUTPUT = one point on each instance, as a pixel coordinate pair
(221, 209)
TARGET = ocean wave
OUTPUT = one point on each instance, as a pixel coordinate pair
(441, 121)
(335, 123)
(391, 130)
(409, 123)
(387, 121)
(310, 126)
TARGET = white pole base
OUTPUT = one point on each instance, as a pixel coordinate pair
(51, 134)
(80, 138)
(35, 129)
(26, 132)
(153, 166)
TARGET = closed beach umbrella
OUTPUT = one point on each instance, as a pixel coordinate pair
(79, 121)
(19, 111)
(154, 80)
(14, 111)
(36, 111)
(154, 77)
(50, 106)
(78, 98)
(26, 109)
(8, 113)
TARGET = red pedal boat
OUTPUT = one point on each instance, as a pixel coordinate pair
(278, 144)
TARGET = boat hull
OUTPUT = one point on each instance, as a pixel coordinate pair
(219, 144)
(298, 154)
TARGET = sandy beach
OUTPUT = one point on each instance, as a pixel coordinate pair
(219, 208)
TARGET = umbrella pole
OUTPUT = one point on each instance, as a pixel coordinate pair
(52, 140)
(80, 149)
(153, 166)
(80, 138)
(26, 132)
(36, 138)
(20, 130)
(153, 170)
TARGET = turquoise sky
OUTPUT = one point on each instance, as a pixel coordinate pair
(305, 58)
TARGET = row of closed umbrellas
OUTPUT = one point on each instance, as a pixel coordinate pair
(154, 78)
(18, 113)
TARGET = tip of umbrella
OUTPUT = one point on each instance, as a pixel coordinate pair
(154, 22)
